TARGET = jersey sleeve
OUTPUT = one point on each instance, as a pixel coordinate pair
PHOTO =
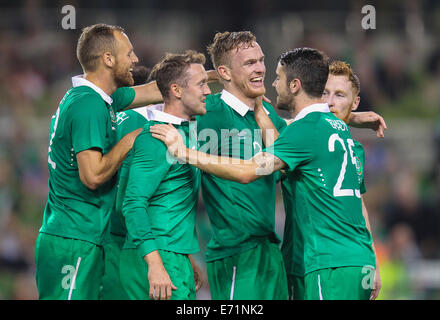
(89, 120)
(122, 98)
(148, 167)
(293, 146)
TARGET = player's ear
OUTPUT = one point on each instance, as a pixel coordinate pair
(295, 86)
(176, 90)
(109, 59)
(355, 104)
(224, 72)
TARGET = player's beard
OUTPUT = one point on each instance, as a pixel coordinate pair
(248, 91)
(287, 104)
(123, 76)
(252, 92)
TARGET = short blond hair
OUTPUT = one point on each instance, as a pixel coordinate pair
(341, 68)
(94, 41)
(224, 42)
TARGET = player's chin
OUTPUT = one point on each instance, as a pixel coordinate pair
(130, 80)
(282, 105)
(256, 92)
(126, 81)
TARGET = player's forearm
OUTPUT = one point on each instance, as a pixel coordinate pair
(368, 119)
(146, 94)
(95, 168)
(112, 160)
(137, 221)
(153, 259)
(268, 131)
(234, 169)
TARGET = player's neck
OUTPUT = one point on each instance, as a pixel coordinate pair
(102, 80)
(176, 109)
(303, 101)
(250, 102)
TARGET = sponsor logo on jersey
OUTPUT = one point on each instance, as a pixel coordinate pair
(121, 117)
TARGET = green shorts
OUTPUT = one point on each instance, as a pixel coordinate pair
(111, 283)
(256, 274)
(68, 269)
(343, 283)
(134, 275)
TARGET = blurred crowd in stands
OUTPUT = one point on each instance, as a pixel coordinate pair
(398, 64)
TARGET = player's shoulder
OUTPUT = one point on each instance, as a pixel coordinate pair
(145, 133)
(216, 113)
(145, 138)
(308, 122)
(298, 131)
(214, 102)
(84, 100)
(121, 92)
(330, 122)
(133, 113)
(305, 128)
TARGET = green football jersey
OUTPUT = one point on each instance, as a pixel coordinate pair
(85, 119)
(127, 121)
(324, 225)
(161, 196)
(241, 215)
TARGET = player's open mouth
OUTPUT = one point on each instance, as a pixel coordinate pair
(257, 81)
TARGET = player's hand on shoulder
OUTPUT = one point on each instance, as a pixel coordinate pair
(171, 137)
(130, 137)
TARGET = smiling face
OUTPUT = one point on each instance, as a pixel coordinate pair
(340, 96)
(125, 61)
(247, 70)
(194, 90)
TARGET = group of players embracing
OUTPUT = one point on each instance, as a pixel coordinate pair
(127, 162)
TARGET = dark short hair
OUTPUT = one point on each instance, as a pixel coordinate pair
(308, 65)
(140, 75)
(226, 41)
(93, 42)
(172, 68)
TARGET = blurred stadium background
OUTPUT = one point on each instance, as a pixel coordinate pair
(398, 64)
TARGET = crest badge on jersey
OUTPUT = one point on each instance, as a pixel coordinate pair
(112, 114)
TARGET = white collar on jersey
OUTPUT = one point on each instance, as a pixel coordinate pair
(81, 81)
(158, 115)
(317, 107)
(240, 107)
(144, 111)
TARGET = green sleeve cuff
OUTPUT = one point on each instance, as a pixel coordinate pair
(147, 247)
(122, 98)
